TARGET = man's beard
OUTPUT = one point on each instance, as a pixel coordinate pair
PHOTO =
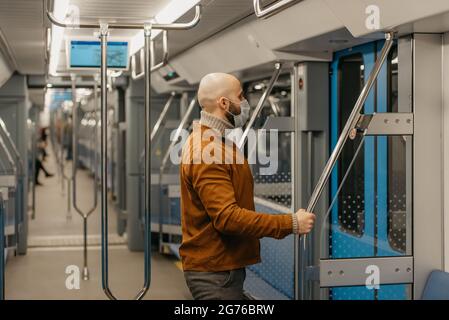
(229, 116)
(230, 119)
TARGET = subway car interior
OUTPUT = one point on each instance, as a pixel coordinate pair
(96, 97)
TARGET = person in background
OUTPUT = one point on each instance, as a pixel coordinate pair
(43, 139)
(41, 155)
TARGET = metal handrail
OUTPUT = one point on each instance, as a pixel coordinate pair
(84, 215)
(274, 106)
(178, 131)
(13, 147)
(262, 100)
(15, 172)
(276, 111)
(161, 64)
(103, 164)
(351, 122)
(134, 74)
(9, 156)
(18, 170)
(33, 168)
(66, 177)
(113, 25)
(274, 8)
(104, 30)
(158, 124)
(95, 140)
(162, 116)
(56, 147)
(155, 130)
(349, 126)
(164, 61)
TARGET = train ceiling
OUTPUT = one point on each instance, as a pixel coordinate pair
(23, 25)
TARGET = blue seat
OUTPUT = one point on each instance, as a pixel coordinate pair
(437, 286)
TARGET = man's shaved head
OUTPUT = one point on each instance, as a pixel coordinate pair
(215, 86)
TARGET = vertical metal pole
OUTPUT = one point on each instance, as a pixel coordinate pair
(147, 169)
(74, 172)
(85, 267)
(309, 257)
(103, 165)
(34, 155)
(74, 130)
(296, 174)
(69, 199)
(61, 165)
(96, 140)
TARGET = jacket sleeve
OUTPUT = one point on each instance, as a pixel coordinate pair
(213, 184)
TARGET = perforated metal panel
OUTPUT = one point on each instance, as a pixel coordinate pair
(277, 264)
(273, 278)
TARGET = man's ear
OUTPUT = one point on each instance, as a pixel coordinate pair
(222, 102)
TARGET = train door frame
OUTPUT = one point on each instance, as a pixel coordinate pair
(310, 144)
(373, 240)
(421, 105)
(352, 272)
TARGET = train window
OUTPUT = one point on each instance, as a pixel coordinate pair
(396, 222)
(351, 200)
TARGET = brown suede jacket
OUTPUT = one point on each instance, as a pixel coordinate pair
(220, 228)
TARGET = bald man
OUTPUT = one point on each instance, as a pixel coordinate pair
(220, 227)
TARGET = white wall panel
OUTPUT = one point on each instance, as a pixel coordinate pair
(255, 42)
(5, 71)
(352, 13)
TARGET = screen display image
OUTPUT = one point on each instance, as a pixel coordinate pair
(87, 54)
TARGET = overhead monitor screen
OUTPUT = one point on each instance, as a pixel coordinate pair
(87, 54)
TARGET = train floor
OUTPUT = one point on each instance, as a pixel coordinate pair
(55, 247)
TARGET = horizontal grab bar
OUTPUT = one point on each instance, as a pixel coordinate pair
(274, 8)
(161, 64)
(164, 61)
(113, 25)
(262, 100)
(134, 74)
